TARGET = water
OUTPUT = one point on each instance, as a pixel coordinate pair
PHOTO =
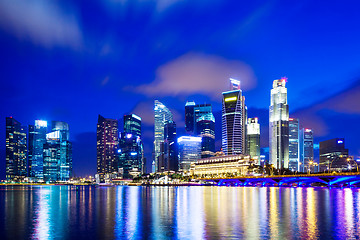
(62, 212)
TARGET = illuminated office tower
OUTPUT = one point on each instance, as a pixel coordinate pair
(294, 147)
(37, 134)
(306, 150)
(51, 156)
(189, 151)
(65, 161)
(253, 139)
(330, 151)
(16, 150)
(106, 146)
(205, 128)
(132, 124)
(189, 117)
(279, 125)
(162, 115)
(131, 151)
(168, 160)
(234, 116)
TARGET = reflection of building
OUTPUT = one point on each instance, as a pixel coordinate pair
(189, 151)
(15, 150)
(294, 146)
(162, 115)
(107, 143)
(221, 165)
(306, 150)
(234, 116)
(279, 125)
(329, 151)
(37, 139)
(253, 139)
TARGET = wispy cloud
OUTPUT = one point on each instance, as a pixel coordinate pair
(198, 74)
(40, 21)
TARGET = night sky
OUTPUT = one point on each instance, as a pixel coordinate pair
(72, 60)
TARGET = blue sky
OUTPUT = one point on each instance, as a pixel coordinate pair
(73, 60)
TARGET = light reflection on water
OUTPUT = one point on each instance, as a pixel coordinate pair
(69, 212)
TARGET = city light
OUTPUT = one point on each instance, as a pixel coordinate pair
(230, 99)
(40, 123)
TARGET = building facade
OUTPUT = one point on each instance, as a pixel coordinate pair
(189, 151)
(106, 146)
(16, 150)
(279, 125)
(330, 150)
(189, 117)
(205, 128)
(307, 150)
(294, 146)
(37, 134)
(162, 115)
(234, 117)
(253, 139)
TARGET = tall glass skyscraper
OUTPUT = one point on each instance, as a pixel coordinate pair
(131, 152)
(107, 144)
(253, 139)
(234, 116)
(189, 151)
(38, 136)
(189, 117)
(51, 156)
(205, 128)
(306, 149)
(168, 160)
(16, 149)
(162, 115)
(279, 125)
(294, 147)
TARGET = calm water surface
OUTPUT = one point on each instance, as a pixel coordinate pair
(62, 212)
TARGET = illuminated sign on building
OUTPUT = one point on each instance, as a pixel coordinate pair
(340, 141)
(230, 99)
(40, 123)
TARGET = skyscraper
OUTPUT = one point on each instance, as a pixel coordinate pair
(253, 139)
(170, 146)
(234, 116)
(189, 151)
(37, 134)
(205, 128)
(162, 115)
(130, 152)
(107, 144)
(279, 125)
(331, 150)
(51, 156)
(294, 147)
(16, 166)
(306, 150)
(189, 117)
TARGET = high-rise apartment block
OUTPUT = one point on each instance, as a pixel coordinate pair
(279, 125)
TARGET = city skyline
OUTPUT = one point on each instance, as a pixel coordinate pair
(242, 45)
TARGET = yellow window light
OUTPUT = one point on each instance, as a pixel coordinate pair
(230, 99)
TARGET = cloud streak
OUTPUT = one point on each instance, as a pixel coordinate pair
(195, 73)
(40, 21)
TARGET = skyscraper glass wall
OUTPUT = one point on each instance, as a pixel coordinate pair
(306, 150)
(189, 151)
(38, 140)
(253, 139)
(294, 147)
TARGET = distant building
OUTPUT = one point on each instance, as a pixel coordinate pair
(307, 150)
(205, 128)
(132, 124)
(16, 150)
(37, 135)
(189, 151)
(51, 156)
(189, 117)
(169, 159)
(107, 146)
(331, 150)
(253, 139)
(234, 117)
(162, 115)
(294, 147)
(230, 165)
(279, 125)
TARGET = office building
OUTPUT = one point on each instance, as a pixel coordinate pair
(253, 139)
(106, 146)
(132, 124)
(189, 117)
(294, 147)
(170, 155)
(234, 116)
(330, 151)
(307, 163)
(37, 135)
(51, 156)
(205, 128)
(279, 125)
(189, 151)
(130, 156)
(16, 150)
(162, 115)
